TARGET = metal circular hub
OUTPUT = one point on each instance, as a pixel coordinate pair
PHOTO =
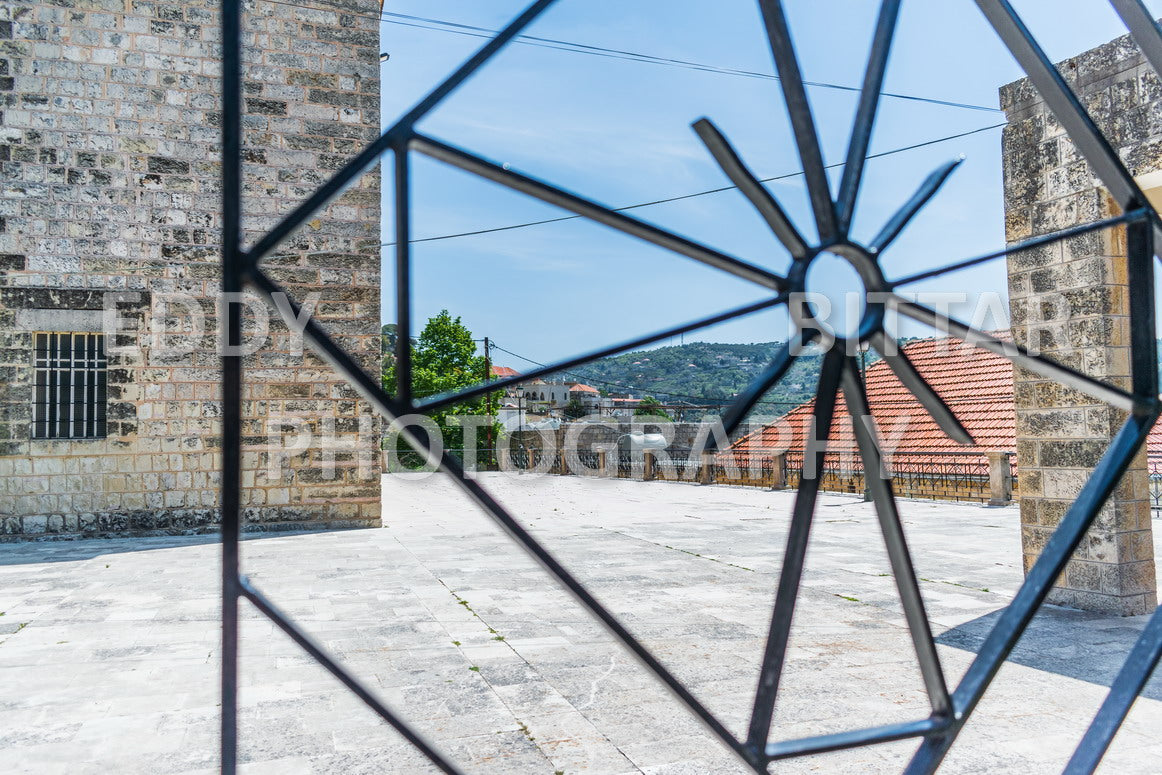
(853, 314)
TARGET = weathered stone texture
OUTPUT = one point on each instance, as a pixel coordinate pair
(109, 166)
(1070, 301)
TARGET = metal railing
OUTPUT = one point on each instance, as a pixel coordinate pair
(1154, 472)
(947, 476)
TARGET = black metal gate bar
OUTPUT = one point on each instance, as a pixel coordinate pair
(865, 114)
(802, 122)
(738, 410)
(392, 138)
(403, 276)
(751, 187)
(1016, 617)
(791, 572)
(1143, 29)
(1038, 364)
(879, 483)
(391, 409)
(1143, 342)
(1128, 684)
(241, 268)
(230, 310)
(595, 212)
(1086, 137)
(351, 682)
(440, 400)
(1137, 214)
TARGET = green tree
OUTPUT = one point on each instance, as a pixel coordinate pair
(575, 410)
(444, 359)
(650, 407)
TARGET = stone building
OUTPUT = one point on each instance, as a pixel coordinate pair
(109, 396)
(1069, 300)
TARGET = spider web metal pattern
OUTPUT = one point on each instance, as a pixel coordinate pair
(937, 732)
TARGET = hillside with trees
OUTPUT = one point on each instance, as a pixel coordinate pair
(703, 373)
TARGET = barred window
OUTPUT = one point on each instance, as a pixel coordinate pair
(70, 386)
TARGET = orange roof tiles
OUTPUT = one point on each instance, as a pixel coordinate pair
(504, 371)
(579, 388)
(977, 385)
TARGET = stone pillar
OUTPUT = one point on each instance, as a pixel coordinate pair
(706, 468)
(1069, 301)
(648, 462)
(559, 465)
(779, 472)
(1000, 479)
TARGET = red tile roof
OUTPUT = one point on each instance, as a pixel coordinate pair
(504, 371)
(582, 389)
(977, 385)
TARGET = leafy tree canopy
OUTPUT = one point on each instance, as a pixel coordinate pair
(650, 407)
(444, 359)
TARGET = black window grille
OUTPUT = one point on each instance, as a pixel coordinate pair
(70, 386)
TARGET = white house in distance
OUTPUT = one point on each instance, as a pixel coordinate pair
(549, 397)
(533, 403)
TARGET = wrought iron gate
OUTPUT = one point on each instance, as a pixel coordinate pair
(242, 268)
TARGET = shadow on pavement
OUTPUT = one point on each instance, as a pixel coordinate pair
(1078, 644)
(70, 550)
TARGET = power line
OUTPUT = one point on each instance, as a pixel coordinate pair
(457, 28)
(409, 20)
(680, 197)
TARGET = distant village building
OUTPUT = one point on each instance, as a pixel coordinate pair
(503, 372)
(537, 400)
(109, 266)
(588, 396)
(548, 397)
(541, 396)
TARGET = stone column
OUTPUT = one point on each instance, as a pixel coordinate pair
(706, 468)
(1000, 479)
(1069, 301)
(778, 472)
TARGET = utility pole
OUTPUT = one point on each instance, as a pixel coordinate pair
(488, 396)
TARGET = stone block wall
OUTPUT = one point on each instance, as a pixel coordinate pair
(109, 124)
(1069, 301)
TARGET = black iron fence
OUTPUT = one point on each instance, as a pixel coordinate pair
(947, 476)
(400, 461)
(951, 475)
(1154, 471)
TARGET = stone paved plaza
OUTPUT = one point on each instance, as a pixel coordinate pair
(109, 648)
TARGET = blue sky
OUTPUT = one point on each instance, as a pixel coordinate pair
(619, 132)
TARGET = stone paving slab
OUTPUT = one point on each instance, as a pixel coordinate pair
(109, 649)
